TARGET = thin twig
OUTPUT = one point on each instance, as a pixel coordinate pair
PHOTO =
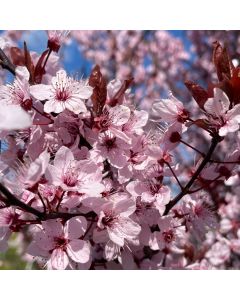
(179, 183)
(5, 63)
(215, 140)
(195, 149)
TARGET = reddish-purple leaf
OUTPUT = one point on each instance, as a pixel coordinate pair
(29, 63)
(199, 93)
(222, 62)
(99, 95)
(40, 68)
(17, 56)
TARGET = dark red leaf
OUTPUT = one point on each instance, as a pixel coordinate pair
(17, 56)
(199, 93)
(222, 62)
(235, 86)
(99, 96)
(40, 69)
(29, 63)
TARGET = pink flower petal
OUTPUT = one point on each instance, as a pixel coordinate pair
(79, 251)
(59, 259)
(75, 227)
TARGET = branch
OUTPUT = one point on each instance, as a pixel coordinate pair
(5, 63)
(172, 203)
(12, 200)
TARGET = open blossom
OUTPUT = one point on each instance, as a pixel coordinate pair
(169, 235)
(18, 92)
(199, 215)
(112, 119)
(81, 176)
(221, 117)
(63, 93)
(137, 158)
(112, 148)
(60, 243)
(170, 110)
(151, 192)
(7, 218)
(114, 218)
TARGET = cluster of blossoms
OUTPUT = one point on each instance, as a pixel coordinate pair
(92, 182)
(154, 58)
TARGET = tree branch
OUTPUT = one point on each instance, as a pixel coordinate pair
(215, 140)
(12, 200)
(5, 63)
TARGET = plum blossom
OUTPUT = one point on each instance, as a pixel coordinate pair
(169, 235)
(170, 110)
(151, 192)
(137, 158)
(199, 216)
(112, 148)
(114, 218)
(63, 93)
(18, 93)
(61, 243)
(112, 119)
(221, 117)
(82, 176)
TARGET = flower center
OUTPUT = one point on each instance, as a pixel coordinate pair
(62, 95)
(110, 143)
(183, 116)
(154, 188)
(109, 219)
(61, 242)
(70, 177)
(168, 236)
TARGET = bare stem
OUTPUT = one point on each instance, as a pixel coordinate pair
(175, 176)
(215, 140)
(190, 146)
(5, 63)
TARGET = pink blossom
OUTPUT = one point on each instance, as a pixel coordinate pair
(112, 119)
(61, 243)
(169, 235)
(63, 93)
(82, 176)
(114, 218)
(221, 117)
(137, 158)
(18, 92)
(151, 192)
(199, 215)
(170, 110)
(112, 148)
